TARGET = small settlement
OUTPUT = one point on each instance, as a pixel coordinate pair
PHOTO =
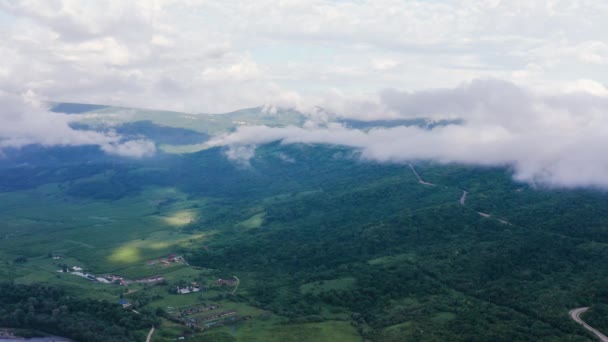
(168, 260)
(225, 282)
(109, 278)
(200, 316)
(206, 316)
(193, 287)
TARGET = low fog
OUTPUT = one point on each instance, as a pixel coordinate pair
(551, 139)
(24, 120)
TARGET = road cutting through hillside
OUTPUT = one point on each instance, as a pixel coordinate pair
(575, 314)
(463, 198)
(150, 334)
(420, 180)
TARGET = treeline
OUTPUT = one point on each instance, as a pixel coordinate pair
(52, 310)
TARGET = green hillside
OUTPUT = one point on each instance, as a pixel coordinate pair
(312, 243)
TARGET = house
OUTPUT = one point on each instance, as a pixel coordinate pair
(116, 280)
(102, 280)
(199, 308)
(189, 289)
(183, 290)
(124, 303)
(216, 316)
(227, 282)
(153, 279)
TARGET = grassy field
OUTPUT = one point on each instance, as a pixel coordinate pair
(102, 236)
(270, 331)
(254, 221)
(326, 248)
(118, 237)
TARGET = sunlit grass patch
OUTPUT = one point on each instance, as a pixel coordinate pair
(155, 245)
(126, 254)
(254, 221)
(180, 218)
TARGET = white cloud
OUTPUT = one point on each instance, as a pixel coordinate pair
(25, 121)
(203, 56)
(245, 70)
(217, 56)
(557, 140)
(131, 148)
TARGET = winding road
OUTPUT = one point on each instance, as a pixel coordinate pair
(463, 198)
(150, 334)
(575, 314)
(238, 282)
(420, 180)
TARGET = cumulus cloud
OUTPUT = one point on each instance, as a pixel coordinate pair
(205, 56)
(557, 140)
(148, 54)
(24, 120)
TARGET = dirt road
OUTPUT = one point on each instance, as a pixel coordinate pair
(420, 180)
(463, 198)
(575, 314)
(150, 335)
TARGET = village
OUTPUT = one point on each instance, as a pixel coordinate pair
(167, 261)
(206, 316)
(109, 279)
(201, 316)
(171, 259)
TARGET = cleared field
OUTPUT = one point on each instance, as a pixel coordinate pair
(254, 221)
(104, 236)
(268, 331)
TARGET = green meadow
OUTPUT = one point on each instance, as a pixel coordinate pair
(103, 236)
(119, 237)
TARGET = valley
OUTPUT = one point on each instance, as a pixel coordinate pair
(335, 250)
(303, 171)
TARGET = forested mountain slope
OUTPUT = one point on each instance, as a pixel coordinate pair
(317, 235)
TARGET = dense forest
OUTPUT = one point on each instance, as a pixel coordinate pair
(346, 240)
(52, 310)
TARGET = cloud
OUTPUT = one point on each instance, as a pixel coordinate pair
(132, 148)
(24, 120)
(551, 139)
(205, 56)
(241, 154)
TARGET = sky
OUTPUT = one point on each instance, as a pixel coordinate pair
(218, 56)
(527, 77)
